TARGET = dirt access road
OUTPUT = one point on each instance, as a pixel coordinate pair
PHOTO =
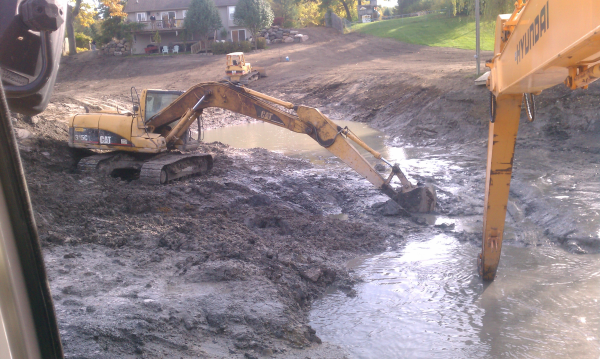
(226, 265)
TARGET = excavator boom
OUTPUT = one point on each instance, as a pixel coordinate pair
(305, 120)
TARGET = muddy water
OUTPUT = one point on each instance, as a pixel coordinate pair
(426, 300)
(287, 142)
(294, 144)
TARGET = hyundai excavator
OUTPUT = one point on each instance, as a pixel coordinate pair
(155, 139)
(541, 44)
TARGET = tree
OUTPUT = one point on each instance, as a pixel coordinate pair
(310, 13)
(349, 7)
(87, 15)
(114, 8)
(184, 35)
(202, 18)
(72, 12)
(254, 15)
(112, 24)
(287, 9)
(156, 38)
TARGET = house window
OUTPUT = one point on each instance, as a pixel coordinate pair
(231, 12)
(141, 16)
(184, 13)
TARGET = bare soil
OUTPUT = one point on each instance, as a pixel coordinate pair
(226, 265)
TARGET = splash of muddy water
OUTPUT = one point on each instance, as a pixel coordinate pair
(426, 300)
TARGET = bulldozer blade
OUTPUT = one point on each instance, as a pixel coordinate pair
(262, 72)
(420, 199)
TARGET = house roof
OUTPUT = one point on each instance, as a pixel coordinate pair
(158, 5)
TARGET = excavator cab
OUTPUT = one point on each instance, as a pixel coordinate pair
(154, 102)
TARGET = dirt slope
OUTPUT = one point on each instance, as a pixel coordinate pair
(226, 265)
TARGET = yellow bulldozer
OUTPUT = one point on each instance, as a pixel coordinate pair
(240, 71)
(155, 144)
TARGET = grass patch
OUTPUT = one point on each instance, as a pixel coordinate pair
(433, 30)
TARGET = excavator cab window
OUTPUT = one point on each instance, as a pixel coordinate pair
(157, 100)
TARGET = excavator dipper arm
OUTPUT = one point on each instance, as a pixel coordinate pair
(541, 44)
(306, 120)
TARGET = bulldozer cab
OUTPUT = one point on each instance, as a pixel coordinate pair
(235, 59)
(156, 100)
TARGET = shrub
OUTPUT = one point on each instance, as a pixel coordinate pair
(224, 34)
(244, 46)
(278, 21)
(82, 40)
(82, 49)
(219, 48)
(288, 24)
(156, 38)
(387, 12)
(262, 43)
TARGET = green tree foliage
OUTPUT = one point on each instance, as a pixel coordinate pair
(254, 15)
(82, 40)
(287, 9)
(387, 12)
(112, 24)
(410, 6)
(310, 14)
(203, 19)
(490, 8)
(348, 7)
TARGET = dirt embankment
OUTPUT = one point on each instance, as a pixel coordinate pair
(227, 264)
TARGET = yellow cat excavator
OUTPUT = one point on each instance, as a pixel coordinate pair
(155, 139)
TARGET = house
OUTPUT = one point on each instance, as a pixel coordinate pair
(169, 15)
(366, 10)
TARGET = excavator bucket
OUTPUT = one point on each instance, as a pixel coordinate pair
(420, 199)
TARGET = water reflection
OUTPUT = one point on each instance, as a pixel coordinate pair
(427, 300)
(273, 138)
(425, 162)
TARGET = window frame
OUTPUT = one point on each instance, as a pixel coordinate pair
(137, 16)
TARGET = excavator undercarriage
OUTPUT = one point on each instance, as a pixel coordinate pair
(152, 143)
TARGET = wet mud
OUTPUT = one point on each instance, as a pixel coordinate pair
(227, 265)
